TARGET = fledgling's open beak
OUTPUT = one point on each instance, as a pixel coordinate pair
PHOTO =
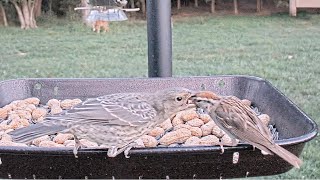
(191, 105)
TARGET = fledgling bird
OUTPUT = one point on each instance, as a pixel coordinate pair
(114, 120)
(239, 121)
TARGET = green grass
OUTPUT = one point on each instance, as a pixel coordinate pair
(283, 50)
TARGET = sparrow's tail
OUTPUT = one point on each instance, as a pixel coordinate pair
(286, 155)
(27, 134)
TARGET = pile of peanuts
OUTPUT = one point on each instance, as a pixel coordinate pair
(22, 113)
(187, 128)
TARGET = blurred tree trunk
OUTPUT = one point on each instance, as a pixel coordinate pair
(85, 13)
(31, 7)
(3, 14)
(26, 12)
(143, 7)
(50, 7)
(20, 15)
(37, 8)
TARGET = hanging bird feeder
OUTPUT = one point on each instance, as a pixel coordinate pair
(107, 15)
(294, 127)
(107, 10)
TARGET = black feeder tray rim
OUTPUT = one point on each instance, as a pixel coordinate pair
(176, 162)
(283, 142)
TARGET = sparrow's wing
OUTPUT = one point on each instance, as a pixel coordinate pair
(259, 124)
(231, 117)
(242, 123)
(116, 109)
(252, 118)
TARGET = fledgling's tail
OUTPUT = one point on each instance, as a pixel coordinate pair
(286, 155)
(27, 134)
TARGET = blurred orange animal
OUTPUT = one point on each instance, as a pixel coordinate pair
(100, 25)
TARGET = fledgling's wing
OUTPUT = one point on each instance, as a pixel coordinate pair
(125, 109)
(114, 109)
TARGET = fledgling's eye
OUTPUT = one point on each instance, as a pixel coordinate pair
(179, 98)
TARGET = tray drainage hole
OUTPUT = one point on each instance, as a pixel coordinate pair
(203, 87)
(221, 83)
(55, 90)
(235, 157)
(37, 86)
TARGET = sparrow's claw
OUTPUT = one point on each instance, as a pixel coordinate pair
(126, 152)
(77, 146)
(222, 148)
(114, 151)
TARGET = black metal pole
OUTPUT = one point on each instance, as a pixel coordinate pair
(159, 38)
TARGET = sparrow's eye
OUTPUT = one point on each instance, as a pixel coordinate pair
(179, 98)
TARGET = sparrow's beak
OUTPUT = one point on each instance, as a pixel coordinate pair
(204, 95)
(190, 102)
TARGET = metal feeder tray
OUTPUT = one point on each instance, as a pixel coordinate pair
(294, 126)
